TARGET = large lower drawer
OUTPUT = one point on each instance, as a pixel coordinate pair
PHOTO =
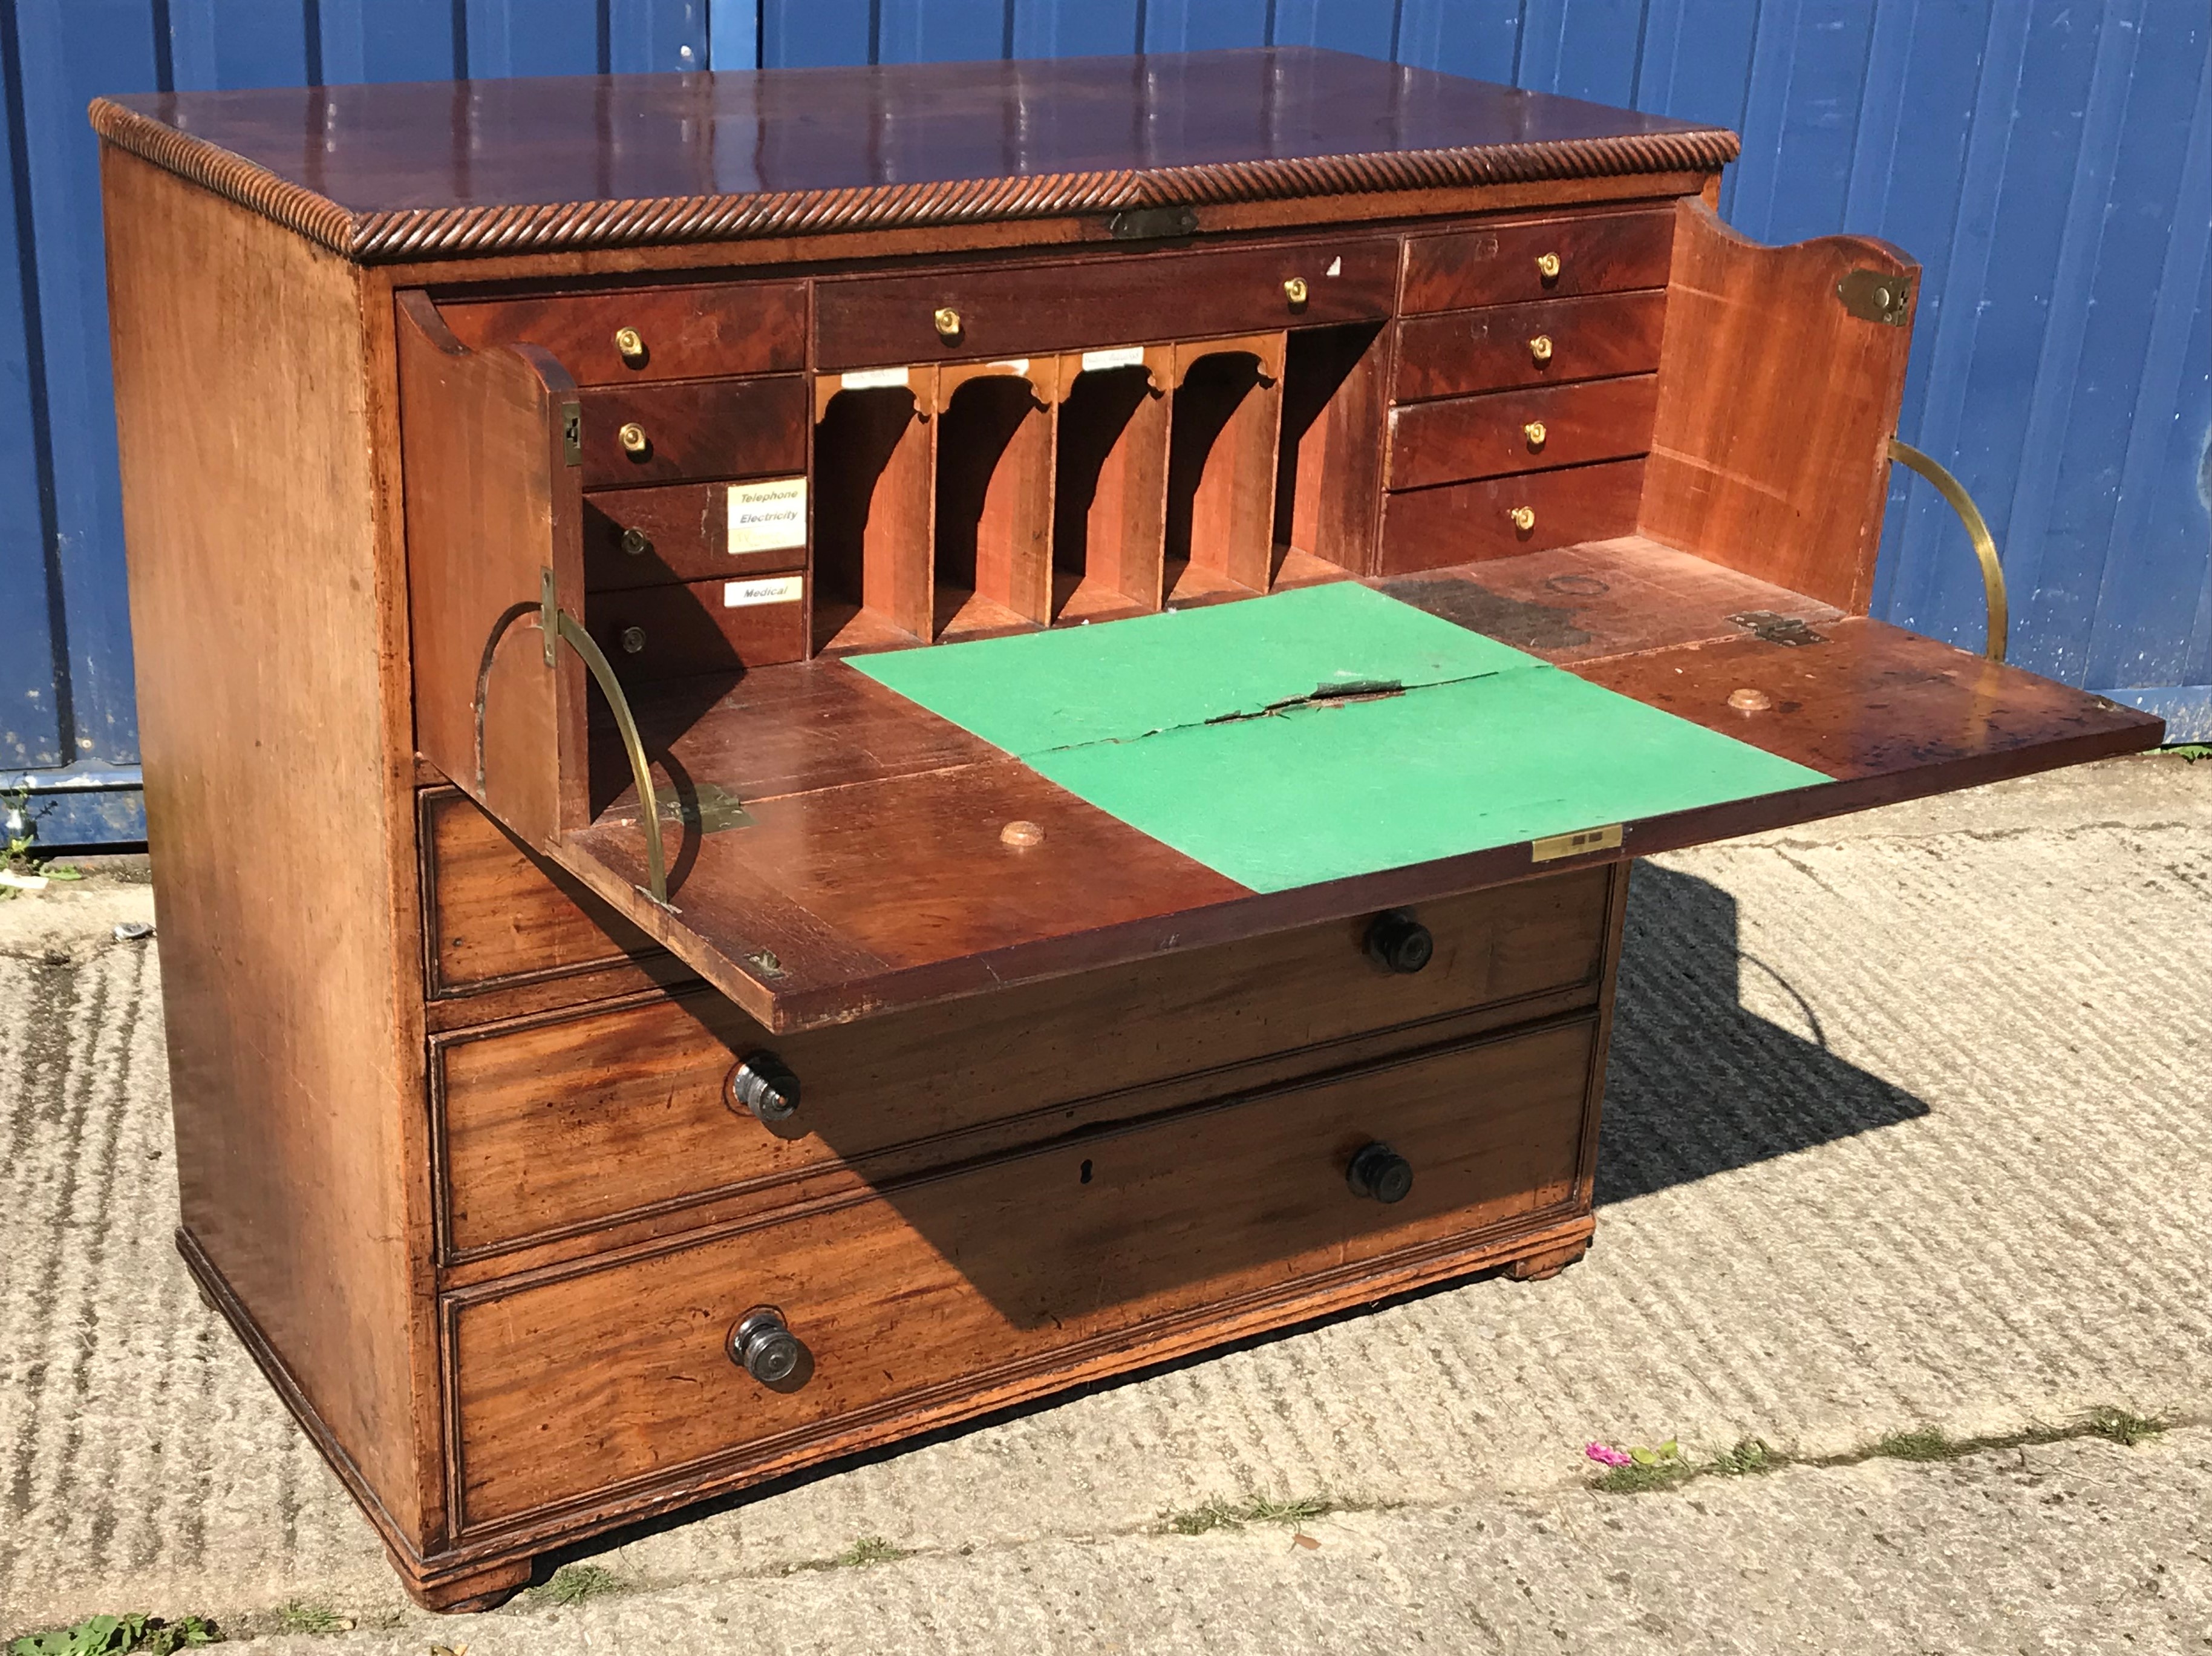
(945, 1295)
(578, 1121)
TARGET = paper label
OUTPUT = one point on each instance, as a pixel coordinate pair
(768, 517)
(768, 589)
(871, 379)
(1120, 356)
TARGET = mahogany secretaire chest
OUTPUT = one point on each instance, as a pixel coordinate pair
(831, 748)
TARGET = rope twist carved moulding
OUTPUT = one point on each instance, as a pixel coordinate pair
(418, 233)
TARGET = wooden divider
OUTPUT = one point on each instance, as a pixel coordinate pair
(1109, 512)
(994, 492)
(874, 501)
(1224, 431)
(1328, 483)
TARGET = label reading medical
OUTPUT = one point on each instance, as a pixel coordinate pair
(768, 517)
(768, 589)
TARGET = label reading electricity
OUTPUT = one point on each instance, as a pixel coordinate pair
(1120, 356)
(772, 589)
(768, 517)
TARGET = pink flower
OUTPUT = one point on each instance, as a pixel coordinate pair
(1605, 1456)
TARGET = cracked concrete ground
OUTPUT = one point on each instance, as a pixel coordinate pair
(1907, 1127)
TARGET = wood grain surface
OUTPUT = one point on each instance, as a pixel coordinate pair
(1454, 353)
(1462, 438)
(1495, 264)
(686, 332)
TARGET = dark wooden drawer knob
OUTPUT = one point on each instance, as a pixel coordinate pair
(1380, 1172)
(1397, 942)
(763, 1086)
(764, 1347)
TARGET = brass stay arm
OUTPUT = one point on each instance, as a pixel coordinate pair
(594, 658)
(1986, 546)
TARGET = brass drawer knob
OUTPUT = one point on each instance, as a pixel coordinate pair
(1539, 350)
(764, 1346)
(633, 641)
(763, 1087)
(1524, 518)
(1547, 266)
(634, 442)
(947, 322)
(631, 345)
(1534, 432)
(1398, 942)
(1380, 1173)
(636, 542)
(1295, 290)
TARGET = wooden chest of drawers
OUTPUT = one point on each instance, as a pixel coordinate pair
(598, 972)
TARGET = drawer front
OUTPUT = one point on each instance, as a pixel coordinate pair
(713, 428)
(683, 334)
(1509, 431)
(578, 1121)
(568, 1389)
(1551, 341)
(493, 916)
(1597, 253)
(680, 631)
(650, 537)
(882, 321)
(1465, 523)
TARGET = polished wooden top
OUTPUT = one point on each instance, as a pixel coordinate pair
(409, 170)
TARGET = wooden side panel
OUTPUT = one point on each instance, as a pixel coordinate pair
(1226, 426)
(493, 501)
(874, 499)
(269, 638)
(1776, 407)
(1110, 502)
(1329, 481)
(993, 502)
(1010, 1273)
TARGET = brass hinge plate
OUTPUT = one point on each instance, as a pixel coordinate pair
(1555, 846)
(1877, 296)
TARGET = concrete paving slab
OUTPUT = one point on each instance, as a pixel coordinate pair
(2074, 1547)
(1906, 1128)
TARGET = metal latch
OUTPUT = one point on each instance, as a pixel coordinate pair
(1877, 296)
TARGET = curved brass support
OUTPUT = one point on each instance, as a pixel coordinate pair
(648, 801)
(1986, 546)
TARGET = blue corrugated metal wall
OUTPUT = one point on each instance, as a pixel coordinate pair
(2049, 162)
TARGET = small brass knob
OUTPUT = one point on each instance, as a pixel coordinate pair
(1534, 432)
(1295, 290)
(1547, 266)
(1524, 518)
(947, 322)
(1539, 349)
(635, 542)
(631, 345)
(633, 641)
(634, 441)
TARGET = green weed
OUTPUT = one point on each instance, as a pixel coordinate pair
(2117, 1425)
(1223, 1514)
(111, 1636)
(297, 1615)
(574, 1584)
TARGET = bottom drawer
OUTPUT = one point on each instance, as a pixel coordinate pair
(1467, 522)
(956, 1294)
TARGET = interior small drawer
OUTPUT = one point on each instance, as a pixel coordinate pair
(579, 1120)
(1545, 342)
(887, 320)
(565, 1388)
(493, 917)
(694, 627)
(649, 333)
(1509, 431)
(693, 531)
(1500, 517)
(700, 430)
(1522, 260)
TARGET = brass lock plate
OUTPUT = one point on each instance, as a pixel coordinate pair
(1877, 296)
